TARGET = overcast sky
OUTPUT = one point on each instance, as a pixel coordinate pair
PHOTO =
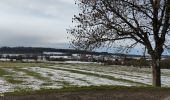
(35, 22)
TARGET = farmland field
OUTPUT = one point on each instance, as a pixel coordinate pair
(39, 76)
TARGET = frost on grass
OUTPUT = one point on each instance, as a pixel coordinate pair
(134, 77)
(75, 79)
(19, 80)
(142, 75)
(66, 75)
(5, 86)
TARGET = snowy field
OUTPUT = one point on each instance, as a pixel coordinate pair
(74, 74)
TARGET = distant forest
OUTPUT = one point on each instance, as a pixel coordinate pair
(39, 50)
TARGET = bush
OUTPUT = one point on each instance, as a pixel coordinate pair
(165, 64)
(130, 62)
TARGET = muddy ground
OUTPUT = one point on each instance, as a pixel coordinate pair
(97, 95)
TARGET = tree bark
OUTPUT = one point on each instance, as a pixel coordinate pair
(156, 72)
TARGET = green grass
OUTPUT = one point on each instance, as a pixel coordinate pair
(99, 75)
(112, 67)
(11, 80)
(47, 80)
(66, 86)
(8, 76)
(65, 83)
(20, 64)
(17, 66)
(34, 74)
(84, 65)
(21, 92)
(3, 72)
(18, 91)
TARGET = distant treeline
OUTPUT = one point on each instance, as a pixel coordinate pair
(39, 50)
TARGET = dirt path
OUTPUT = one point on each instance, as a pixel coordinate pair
(98, 95)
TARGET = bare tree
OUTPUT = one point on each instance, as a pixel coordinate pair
(144, 22)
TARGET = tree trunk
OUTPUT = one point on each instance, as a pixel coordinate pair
(156, 73)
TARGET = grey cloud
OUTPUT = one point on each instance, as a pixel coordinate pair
(30, 22)
(33, 41)
(20, 41)
(41, 8)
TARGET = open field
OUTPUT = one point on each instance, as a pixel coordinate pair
(17, 78)
(97, 93)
